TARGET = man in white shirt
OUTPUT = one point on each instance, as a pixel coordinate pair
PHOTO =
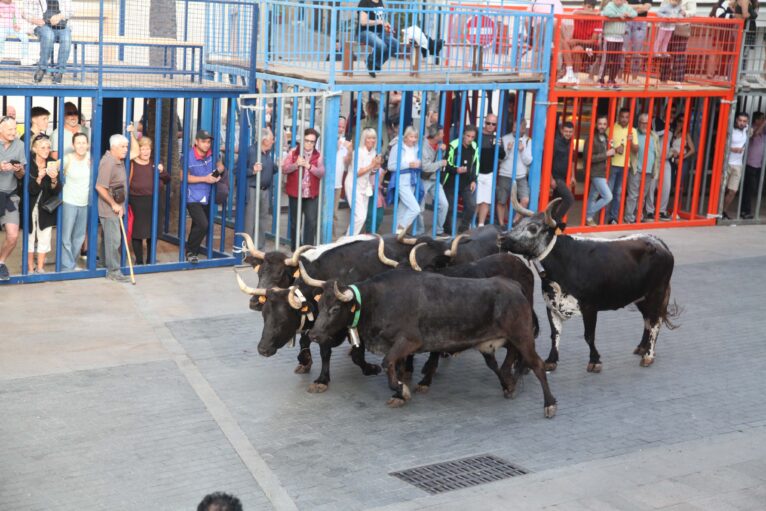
(522, 153)
(735, 162)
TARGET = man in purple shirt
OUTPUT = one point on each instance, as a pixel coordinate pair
(754, 163)
(201, 178)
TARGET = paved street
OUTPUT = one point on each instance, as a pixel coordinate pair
(126, 397)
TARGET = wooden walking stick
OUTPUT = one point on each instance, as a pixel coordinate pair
(127, 251)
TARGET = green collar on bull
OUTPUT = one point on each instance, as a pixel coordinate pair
(357, 309)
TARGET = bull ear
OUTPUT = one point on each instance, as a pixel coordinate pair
(317, 297)
(549, 221)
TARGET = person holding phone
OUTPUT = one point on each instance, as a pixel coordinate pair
(203, 173)
(76, 197)
(12, 162)
(464, 170)
(44, 185)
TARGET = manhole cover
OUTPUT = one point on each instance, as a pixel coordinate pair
(462, 473)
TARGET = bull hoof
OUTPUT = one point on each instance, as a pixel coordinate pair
(395, 402)
(647, 361)
(407, 376)
(317, 388)
(371, 370)
(302, 369)
(422, 389)
(550, 366)
(550, 411)
(594, 368)
(510, 393)
(639, 351)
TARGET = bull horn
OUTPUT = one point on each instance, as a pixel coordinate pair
(452, 252)
(400, 237)
(515, 203)
(293, 261)
(345, 296)
(548, 212)
(293, 300)
(382, 253)
(308, 279)
(249, 290)
(251, 246)
(413, 258)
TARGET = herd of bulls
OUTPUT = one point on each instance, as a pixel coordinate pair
(399, 296)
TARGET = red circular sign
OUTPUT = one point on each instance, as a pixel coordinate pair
(480, 30)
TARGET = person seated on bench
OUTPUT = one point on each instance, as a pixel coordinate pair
(50, 19)
(11, 24)
(428, 46)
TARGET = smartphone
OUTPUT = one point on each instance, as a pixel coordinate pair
(217, 173)
(15, 162)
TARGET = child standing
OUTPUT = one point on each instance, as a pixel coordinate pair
(614, 38)
(668, 9)
(11, 25)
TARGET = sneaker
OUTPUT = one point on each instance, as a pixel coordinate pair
(747, 216)
(56, 77)
(117, 277)
(613, 221)
(590, 222)
(4, 275)
(38, 76)
(192, 258)
(665, 217)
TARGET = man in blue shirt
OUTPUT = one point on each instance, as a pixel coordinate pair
(199, 166)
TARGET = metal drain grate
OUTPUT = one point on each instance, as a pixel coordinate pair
(462, 473)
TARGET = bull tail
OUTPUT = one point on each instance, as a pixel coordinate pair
(535, 325)
(670, 311)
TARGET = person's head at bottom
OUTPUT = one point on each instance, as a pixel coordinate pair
(220, 501)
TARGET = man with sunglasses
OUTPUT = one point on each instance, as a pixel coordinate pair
(12, 162)
(487, 163)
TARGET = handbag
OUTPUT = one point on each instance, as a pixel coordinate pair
(222, 189)
(51, 204)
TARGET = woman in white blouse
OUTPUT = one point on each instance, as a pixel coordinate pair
(77, 191)
(368, 162)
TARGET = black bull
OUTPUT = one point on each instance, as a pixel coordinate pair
(586, 275)
(405, 312)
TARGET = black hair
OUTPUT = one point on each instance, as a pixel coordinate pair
(38, 111)
(567, 124)
(470, 127)
(624, 110)
(757, 116)
(220, 501)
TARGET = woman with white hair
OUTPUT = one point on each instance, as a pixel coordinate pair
(368, 162)
(404, 158)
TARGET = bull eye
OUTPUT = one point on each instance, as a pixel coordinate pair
(533, 230)
(334, 309)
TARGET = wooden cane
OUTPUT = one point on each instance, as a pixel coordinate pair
(127, 251)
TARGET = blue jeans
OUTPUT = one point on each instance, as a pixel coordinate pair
(429, 189)
(74, 220)
(635, 37)
(409, 209)
(383, 47)
(48, 36)
(598, 187)
(615, 185)
(111, 241)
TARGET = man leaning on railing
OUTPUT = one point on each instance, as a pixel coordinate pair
(50, 18)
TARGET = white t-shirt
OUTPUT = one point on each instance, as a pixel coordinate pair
(523, 160)
(738, 140)
(364, 184)
(76, 181)
(67, 139)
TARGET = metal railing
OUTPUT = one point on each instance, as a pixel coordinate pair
(324, 40)
(646, 52)
(752, 62)
(131, 44)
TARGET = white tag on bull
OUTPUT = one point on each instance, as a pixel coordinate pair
(353, 337)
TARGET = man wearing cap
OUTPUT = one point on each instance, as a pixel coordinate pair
(199, 166)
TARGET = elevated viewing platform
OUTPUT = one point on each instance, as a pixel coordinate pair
(117, 45)
(344, 46)
(670, 56)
